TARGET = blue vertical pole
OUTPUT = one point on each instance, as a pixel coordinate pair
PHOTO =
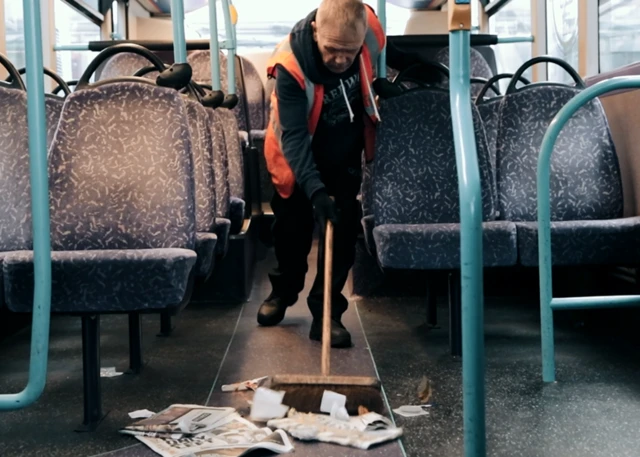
(382, 59)
(179, 41)
(231, 47)
(214, 46)
(39, 212)
(471, 229)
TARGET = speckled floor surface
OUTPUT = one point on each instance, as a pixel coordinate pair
(593, 410)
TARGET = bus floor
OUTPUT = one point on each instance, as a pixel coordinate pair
(591, 411)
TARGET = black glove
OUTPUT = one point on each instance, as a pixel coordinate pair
(386, 89)
(323, 209)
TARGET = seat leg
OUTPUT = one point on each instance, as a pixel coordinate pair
(455, 314)
(135, 344)
(166, 326)
(91, 374)
(432, 305)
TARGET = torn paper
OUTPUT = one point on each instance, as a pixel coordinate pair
(251, 384)
(109, 372)
(267, 404)
(412, 410)
(141, 414)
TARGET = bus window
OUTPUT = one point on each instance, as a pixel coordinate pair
(618, 38)
(512, 20)
(562, 37)
(73, 28)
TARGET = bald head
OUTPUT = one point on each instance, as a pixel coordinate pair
(339, 30)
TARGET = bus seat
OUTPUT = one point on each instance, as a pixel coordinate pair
(122, 64)
(200, 62)
(201, 146)
(53, 110)
(122, 214)
(489, 109)
(479, 67)
(235, 174)
(123, 205)
(415, 188)
(15, 205)
(254, 91)
(586, 190)
(221, 181)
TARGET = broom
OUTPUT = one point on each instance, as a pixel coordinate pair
(304, 392)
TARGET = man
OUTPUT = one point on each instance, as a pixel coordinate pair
(323, 115)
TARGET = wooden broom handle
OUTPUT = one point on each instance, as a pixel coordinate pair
(326, 319)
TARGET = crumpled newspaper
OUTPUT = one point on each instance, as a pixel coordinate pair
(360, 432)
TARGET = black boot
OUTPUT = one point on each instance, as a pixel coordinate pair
(273, 309)
(340, 336)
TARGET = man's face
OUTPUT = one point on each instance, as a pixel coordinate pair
(339, 47)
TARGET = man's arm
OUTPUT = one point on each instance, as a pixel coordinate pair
(296, 141)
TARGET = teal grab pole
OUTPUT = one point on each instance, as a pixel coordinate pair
(470, 245)
(515, 39)
(39, 212)
(382, 58)
(214, 46)
(71, 47)
(544, 217)
(179, 40)
(231, 47)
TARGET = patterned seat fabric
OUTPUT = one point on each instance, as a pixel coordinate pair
(490, 114)
(123, 64)
(585, 182)
(235, 174)
(254, 90)
(220, 164)
(15, 204)
(480, 68)
(201, 146)
(415, 188)
(53, 110)
(200, 62)
(122, 204)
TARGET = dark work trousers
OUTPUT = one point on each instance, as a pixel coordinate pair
(293, 236)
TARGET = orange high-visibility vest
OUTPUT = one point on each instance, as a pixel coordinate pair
(278, 166)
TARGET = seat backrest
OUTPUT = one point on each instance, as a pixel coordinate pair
(415, 175)
(254, 91)
(122, 64)
(53, 110)
(220, 164)
(479, 67)
(202, 147)
(201, 65)
(15, 204)
(490, 114)
(234, 153)
(121, 170)
(585, 177)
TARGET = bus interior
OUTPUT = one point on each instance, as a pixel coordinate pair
(496, 274)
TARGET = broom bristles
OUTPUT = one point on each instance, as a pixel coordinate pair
(307, 398)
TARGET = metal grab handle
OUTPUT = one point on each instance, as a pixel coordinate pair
(470, 194)
(39, 213)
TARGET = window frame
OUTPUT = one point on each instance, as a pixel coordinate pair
(88, 11)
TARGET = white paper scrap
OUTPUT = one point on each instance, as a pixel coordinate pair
(330, 398)
(251, 384)
(412, 410)
(141, 414)
(267, 404)
(109, 372)
(339, 412)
